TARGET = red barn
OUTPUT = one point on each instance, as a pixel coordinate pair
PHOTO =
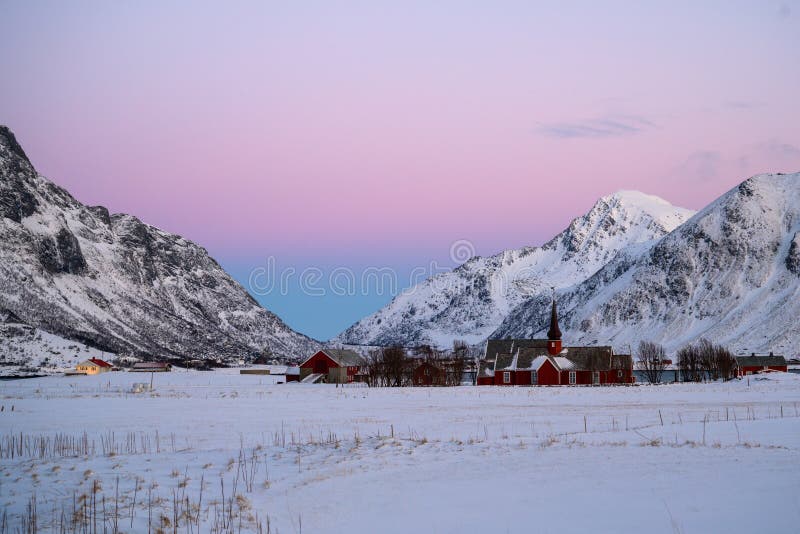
(753, 364)
(335, 366)
(545, 362)
(429, 374)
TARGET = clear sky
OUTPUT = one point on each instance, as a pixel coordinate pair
(357, 134)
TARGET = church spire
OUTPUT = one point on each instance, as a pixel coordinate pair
(554, 332)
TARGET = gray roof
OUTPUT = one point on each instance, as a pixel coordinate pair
(345, 357)
(503, 361)
(760, 361)
(600, 358)
(526, 357)
(590, 358)
(150, 365)
(485, 368)
(622, 361)
(507, 346)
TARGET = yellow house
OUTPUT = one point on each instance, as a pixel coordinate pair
(93, 366)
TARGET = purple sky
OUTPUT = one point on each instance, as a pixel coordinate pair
(351, 133)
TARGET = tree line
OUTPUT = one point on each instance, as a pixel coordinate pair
(394, 366)
(696, 362)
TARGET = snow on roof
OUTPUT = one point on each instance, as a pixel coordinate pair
(563, 363)
(537, 363)
(96, 362)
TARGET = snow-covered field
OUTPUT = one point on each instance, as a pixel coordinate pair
(220, 452)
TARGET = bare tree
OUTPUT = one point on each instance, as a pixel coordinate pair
(689, 363)
(374, 368)
(707, 354)
(458, 362)
(651, 360)
(726, 363)
(706, 360)
(397, 366)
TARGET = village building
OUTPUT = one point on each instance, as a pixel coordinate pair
(546, 362)
(429, 374)
(334, 366)
(754, 364)
(93, 366)
(151, 367)
(292, 374)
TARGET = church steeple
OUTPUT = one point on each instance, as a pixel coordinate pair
(554, 333)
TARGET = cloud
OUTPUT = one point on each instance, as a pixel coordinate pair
(779, 150)
(702, 165)
(776, 156)
(743, 104)
(784, 11)
(612, 126)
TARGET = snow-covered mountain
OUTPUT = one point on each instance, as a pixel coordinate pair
(25, 349)
(731, 274)
(117, 284)
(471, 302)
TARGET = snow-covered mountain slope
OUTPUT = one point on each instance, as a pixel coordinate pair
(25, 350)
(117, 284)
(731, 274)
(471, 301)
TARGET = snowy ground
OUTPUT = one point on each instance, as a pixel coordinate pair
(316, 458)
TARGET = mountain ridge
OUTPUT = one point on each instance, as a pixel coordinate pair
(115, 283)
(729, 273)
(471, 301)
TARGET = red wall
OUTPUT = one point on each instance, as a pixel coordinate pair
(320, 363)
(498, 378)
(548, 374)
(435, 375)
(758, 369)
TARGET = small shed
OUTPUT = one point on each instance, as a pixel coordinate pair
(293, 374)
(151, 367)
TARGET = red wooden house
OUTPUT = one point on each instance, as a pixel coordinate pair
(335, 366)
(429, 374)
(753, 364)
(545, 362)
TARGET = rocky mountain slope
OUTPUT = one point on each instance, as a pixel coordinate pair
(472, 301)
(119, 285)
(731, 274)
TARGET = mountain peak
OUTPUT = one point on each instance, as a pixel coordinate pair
(470, 302)
(8, 142)
(653, 205)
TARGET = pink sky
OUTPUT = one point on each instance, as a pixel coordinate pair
(351, 132)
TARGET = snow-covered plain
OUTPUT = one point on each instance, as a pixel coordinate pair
(719, 457)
